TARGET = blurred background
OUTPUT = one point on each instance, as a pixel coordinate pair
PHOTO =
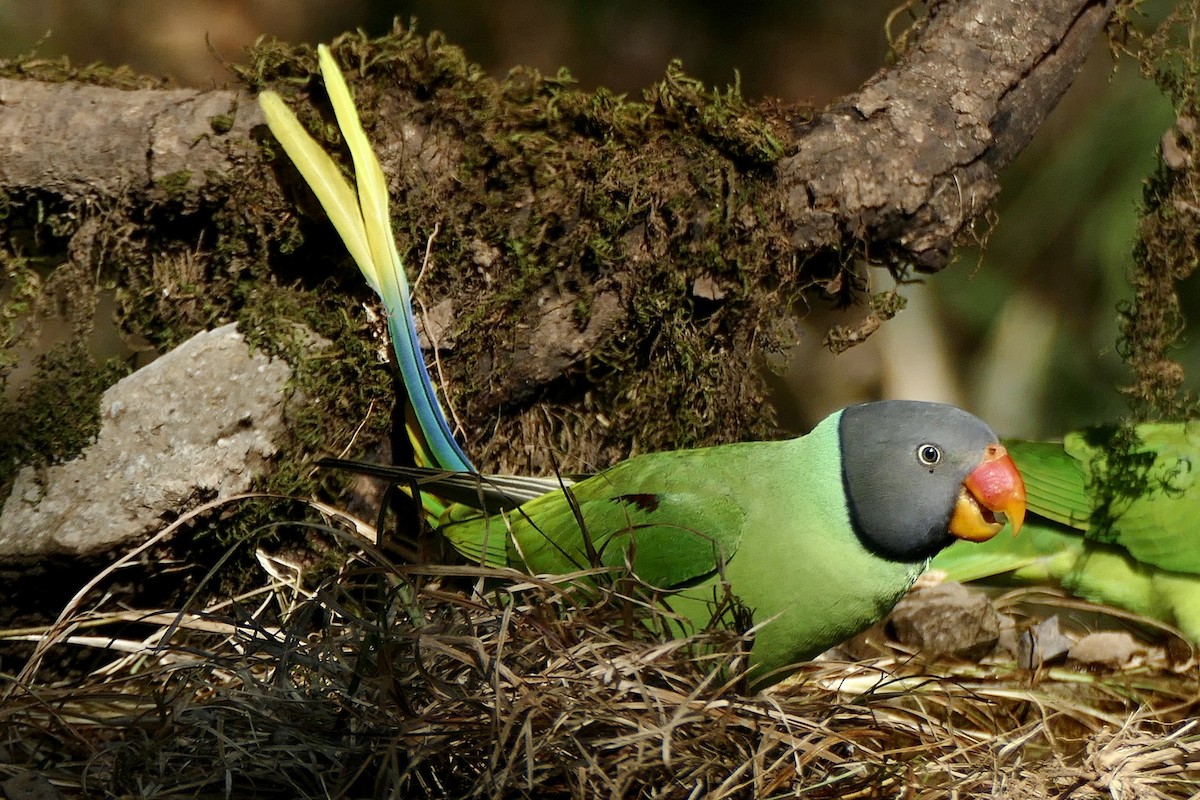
(1023, 333)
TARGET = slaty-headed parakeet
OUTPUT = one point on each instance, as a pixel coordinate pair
(821, 534)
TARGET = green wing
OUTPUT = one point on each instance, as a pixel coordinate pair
(1055, 483)
(672, 530)
(1042, 553)
(1048, 553)
(1143, 488)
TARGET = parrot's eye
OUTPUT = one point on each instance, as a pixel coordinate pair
(929, 454)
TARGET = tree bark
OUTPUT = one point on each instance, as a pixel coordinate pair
(604, 272)
(911, 159)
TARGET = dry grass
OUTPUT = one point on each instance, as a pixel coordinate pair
(401, 681)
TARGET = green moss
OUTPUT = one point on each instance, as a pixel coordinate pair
(338, 375)
(24, 289)
(537, 188)
(175, 183)
(1166, 251)
(61, 70)
(724, 119)
(221, 124)
(57, 412)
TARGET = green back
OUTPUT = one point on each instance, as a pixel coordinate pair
(1134, 488)
(1046, 552)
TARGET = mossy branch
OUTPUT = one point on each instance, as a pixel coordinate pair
(1166, 252)
(606, 269)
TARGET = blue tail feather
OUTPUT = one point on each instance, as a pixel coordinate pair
(360, 216)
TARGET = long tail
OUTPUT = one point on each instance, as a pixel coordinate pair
(362, 221)
(488, 493)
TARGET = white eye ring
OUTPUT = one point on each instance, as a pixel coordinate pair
(929, 454)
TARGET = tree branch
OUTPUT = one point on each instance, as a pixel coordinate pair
(598, 259)
(910, 160)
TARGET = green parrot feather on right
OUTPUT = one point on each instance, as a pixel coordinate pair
(1114, 517)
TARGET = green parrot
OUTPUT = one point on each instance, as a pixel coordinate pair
(817, 536)
(1114, 518)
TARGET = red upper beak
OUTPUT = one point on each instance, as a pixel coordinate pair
(994, 487)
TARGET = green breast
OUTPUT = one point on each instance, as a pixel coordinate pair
(801, 562)
(800, 568)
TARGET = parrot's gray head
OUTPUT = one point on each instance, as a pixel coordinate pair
(917, 475)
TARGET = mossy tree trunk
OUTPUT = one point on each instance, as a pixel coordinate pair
(603, 271)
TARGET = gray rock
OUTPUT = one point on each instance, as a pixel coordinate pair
(199, 423)
(30, 786)
(946, 619)
(1033, 647)
(1107, 649)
